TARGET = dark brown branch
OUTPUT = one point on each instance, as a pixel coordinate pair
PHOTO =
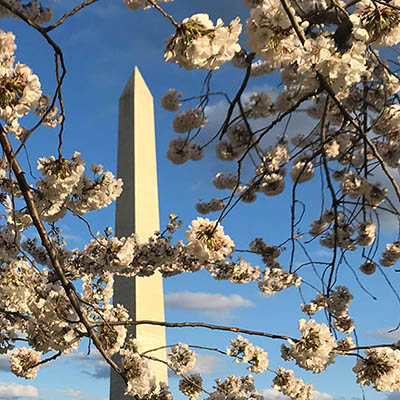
(201, 325)
(46, 242)
(69, 14)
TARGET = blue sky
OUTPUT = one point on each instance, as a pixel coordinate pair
(101, 46)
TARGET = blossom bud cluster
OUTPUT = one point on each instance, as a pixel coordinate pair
(244, 351)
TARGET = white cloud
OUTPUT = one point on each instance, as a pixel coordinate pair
(321, 396)
(93, 364)
(215, 305)
(10, 390)
(384, 333)
(272, 394)
(205, 301)
(70, 392)
(207, 364)
(393, 396)
(5, 362)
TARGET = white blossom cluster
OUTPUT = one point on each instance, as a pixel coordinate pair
(259, 105)
(207, 241)
(190, 119)
(318, 226)
(225, 181)
(290, 386)
(337, 303)
(340, 80)
(63, 187)
(51, 116)
(270, 34)
(271, 170)
(136, 4)
(235, 388)
(314, 350)
(381, 369)
(236, 272)
(191, 385)
(377, 24)
(137, 369)
(391, 254)
(34, 10)
(276, 279)
(238, 137)
(21, 89)
(302, 169)
(24, 362)
(368, 268)
(171, 100)
(181, 359)
(246, 352)
(199, 44)
(113, 337)
(211, 206)
(355, 186)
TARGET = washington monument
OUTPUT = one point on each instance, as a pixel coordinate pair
(137, 211)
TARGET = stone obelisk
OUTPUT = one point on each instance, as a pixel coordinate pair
(137, 211)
